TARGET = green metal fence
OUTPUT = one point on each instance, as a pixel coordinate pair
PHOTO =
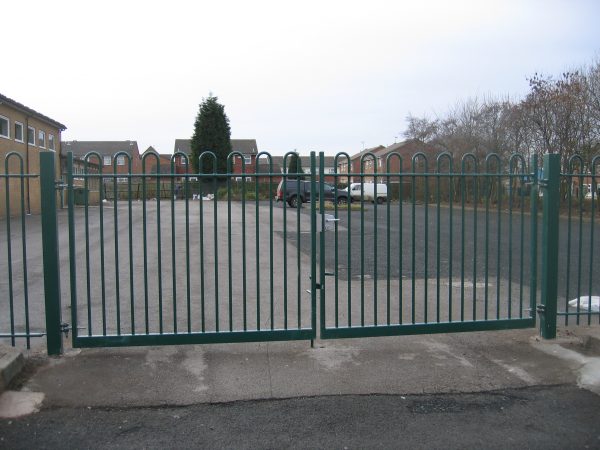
(456, 254)
(15, 318)
(579, 284)
(30, 289)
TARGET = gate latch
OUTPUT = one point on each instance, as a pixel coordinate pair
(540, 309)
(64, 328)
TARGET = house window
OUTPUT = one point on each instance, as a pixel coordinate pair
(247, 160)
(31, 135)
(120, 160)
(51, 142)
(121, 179)
(182, 161)
(107, 160)
(41, 138)
(4, 127)
(18, 131)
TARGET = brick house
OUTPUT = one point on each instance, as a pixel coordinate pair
(164, 162)
(26, 132)
(278, 167)
(247, 147)
(183, 146)
(112, 153)
(405, 149)
(355, 164)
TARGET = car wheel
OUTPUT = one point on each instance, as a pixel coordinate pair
(379, 200)
(293, 202)
(342, 200)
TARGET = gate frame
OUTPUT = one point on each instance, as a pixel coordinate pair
(434, 327)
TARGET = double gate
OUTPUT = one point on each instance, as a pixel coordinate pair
(181, 258)
(204, 258)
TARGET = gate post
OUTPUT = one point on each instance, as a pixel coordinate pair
(551, 201)
(50, 254)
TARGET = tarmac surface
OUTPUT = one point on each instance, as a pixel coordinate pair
(493, 389)
(515, 418)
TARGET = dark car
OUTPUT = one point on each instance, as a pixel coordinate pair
(298, 192)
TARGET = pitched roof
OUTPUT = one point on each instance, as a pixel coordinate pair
(373, 150)
(408, 148)
(105, 148)
(244, 146)
(183, 145)
(19, 106)
(277, 163)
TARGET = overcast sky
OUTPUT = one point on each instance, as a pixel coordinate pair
(311, 75)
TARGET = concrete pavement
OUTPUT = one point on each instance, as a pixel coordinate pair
(430, 364)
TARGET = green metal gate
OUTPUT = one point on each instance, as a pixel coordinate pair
(183, 258)
(448, 251)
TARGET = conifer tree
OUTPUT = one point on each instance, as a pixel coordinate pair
(211, 133)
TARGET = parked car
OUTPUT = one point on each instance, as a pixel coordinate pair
(295, 197)
(367, 190)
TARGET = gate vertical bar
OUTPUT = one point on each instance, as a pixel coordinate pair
(550, 246)
(533, 199)
(313, 242)
(72, 255)
(50, 254)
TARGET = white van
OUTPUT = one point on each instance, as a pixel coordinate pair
(368, 190)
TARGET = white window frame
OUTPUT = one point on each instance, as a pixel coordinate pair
(106, 160)
(42, 139)
(32, 129)
(51, 144)
(121, 160)
(247, 160)
(7, 136)
(22, 132)
(122, 179)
